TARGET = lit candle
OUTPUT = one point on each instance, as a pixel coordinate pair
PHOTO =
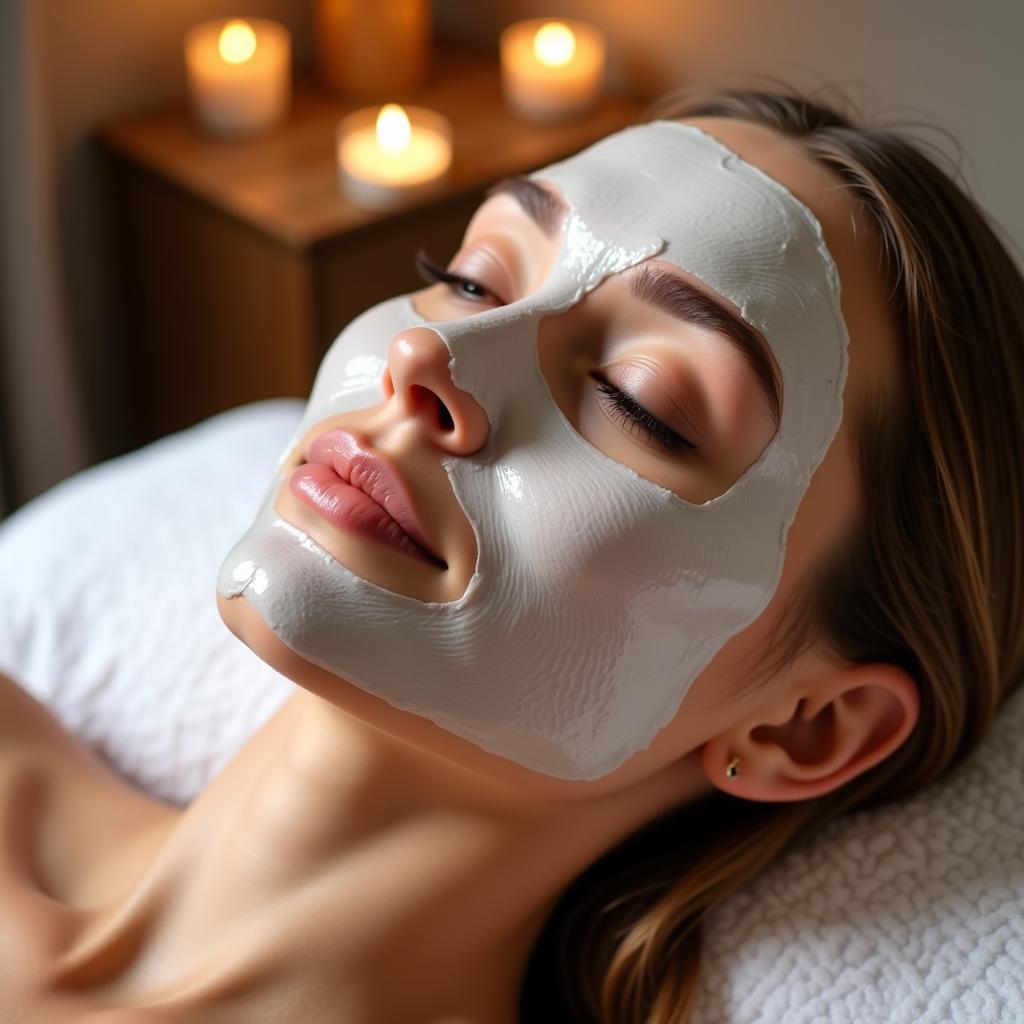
(392, 155)
(239, 74)
(551, 70)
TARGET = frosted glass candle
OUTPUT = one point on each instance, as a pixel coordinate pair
(551, 70)
(390, 156)
(239, 74)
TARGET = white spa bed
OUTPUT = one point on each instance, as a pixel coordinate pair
(913, 914)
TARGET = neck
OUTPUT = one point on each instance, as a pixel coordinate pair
(391, 864)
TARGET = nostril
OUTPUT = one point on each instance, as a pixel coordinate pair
(422, 397)
(444, 416)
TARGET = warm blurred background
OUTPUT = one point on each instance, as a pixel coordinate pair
(152, 274)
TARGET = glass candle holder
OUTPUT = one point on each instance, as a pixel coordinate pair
(392, 156)
(551, 70)
(239, 74)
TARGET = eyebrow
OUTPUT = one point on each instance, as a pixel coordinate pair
(542, 206)
(677, 297)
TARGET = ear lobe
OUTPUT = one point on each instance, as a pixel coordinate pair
(817, 740)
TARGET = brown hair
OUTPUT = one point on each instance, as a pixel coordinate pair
(930, 579)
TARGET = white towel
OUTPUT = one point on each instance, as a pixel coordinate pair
(912, 914)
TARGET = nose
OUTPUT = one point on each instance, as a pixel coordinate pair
(418, 379)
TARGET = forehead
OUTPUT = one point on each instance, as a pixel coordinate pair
(672, 189)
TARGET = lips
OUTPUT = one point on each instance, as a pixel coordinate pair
(361, 492)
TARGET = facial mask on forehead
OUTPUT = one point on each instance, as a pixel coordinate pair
(598, 596)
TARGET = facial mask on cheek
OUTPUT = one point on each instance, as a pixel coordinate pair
(598, 596)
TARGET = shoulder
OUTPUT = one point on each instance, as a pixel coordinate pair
(33, 740)
(29, 731)
(28, 728)
(84, 817)
(72, 834)
(25, 722)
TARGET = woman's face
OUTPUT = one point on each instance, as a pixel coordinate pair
(652, 368)
(637, 366)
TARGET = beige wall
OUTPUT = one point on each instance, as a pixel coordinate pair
(959, 65)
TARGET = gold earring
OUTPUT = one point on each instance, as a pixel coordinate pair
(732, 769)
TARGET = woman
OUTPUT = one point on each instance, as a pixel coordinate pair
(395, 849)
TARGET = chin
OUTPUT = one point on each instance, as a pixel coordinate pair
(245, 621)
(414, 736)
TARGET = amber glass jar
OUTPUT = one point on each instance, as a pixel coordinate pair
(375, 49)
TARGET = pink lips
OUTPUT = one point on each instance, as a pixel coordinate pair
(360, 492)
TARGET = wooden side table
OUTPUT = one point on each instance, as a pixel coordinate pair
(238, 263)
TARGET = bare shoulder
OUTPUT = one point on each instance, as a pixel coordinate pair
(32, 734)
(24, 721)
(70, 831)
(82, 811)
(27, 726)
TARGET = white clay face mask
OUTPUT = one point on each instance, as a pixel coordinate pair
(598, 596)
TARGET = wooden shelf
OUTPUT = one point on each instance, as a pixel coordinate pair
(286, 182)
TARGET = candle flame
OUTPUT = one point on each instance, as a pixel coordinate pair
(393, 128)
(237, 42)
(554, 44)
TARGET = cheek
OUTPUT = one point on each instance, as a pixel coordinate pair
(551, 503)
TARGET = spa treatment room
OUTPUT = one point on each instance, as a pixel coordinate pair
(511, 512)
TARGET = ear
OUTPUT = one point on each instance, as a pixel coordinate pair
(824, 733)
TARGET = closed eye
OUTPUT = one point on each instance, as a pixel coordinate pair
(638, 419)
(462, 287)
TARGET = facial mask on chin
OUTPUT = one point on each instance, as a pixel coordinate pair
(598, 596)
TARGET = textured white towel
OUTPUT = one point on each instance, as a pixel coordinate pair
(913, 914)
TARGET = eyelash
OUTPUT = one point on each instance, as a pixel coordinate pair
(635, 417)
(434, 273)
(625, 408)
